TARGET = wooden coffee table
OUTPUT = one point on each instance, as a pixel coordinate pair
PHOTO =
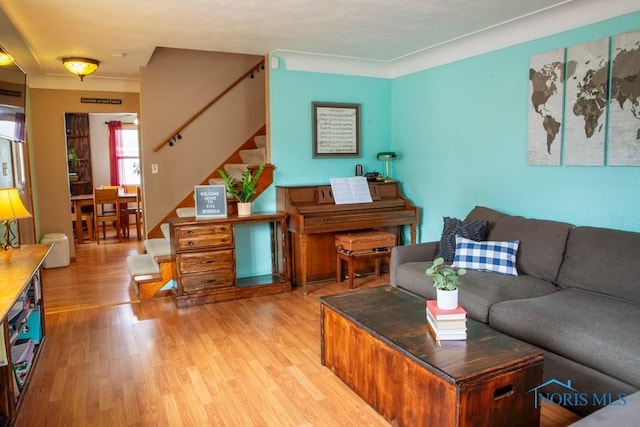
(377, 341)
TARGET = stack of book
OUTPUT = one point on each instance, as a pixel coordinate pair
(22, 354)
(447, 324)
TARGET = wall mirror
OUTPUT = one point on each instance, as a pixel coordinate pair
(13, 161)
(12, 101)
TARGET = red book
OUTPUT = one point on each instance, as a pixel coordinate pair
(440, 314)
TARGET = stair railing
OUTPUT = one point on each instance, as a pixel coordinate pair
(175, 135)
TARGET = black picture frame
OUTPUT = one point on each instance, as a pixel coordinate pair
(336, 129)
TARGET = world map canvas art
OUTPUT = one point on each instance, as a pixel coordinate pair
(574, 119)
(624, 106)
(546, 91)
(586, 103)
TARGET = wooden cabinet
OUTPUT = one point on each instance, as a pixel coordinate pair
(23, 325)
(78, 139)
(377, 341)
(204, 254)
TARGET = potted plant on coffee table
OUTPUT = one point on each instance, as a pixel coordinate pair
(445, 280)
(243, 190)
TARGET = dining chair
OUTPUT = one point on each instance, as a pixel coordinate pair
(136, 209)
(106, 208)
(86, 218)
(124, 215)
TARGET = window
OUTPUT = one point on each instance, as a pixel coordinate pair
(128, 157)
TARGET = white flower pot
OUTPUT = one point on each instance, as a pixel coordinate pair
(447, 300)
(244, 209)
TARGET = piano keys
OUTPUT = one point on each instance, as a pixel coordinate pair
(314, 219)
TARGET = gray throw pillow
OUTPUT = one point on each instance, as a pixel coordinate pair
(473, 230)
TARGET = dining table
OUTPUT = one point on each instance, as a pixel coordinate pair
(80, 200)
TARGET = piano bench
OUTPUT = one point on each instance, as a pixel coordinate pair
(364, 244)
(352, 257)
(365, 240)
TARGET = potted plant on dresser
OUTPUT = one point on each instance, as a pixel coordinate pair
(445, 279)
(244, 189)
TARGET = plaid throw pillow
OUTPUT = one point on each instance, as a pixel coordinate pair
(499, 257)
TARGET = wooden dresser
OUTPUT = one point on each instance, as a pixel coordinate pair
(204, 251)
(23, 325)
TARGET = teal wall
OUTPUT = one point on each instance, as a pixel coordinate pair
(461, 134)
(291, 95)
(461, 131)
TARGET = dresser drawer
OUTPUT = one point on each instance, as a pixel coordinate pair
(198, 262)
(197, 236)
(207, 281)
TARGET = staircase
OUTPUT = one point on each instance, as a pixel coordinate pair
(151, 273)
(234, 161)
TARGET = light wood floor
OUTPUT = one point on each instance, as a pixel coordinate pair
(110, 360)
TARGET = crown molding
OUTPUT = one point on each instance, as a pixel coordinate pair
(90, 83)
(554, 20)
(317, 63)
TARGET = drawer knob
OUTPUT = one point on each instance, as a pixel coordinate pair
(189, 231)
(208, 280)
(190, 243)
(207, 261)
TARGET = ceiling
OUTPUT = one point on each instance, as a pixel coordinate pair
(122, 34)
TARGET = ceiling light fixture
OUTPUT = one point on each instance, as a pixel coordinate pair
(81, 66)
(5, 58)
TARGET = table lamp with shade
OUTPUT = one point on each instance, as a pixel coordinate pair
(387, 156)
(11, 210)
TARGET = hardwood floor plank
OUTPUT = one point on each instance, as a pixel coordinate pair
(111, 360)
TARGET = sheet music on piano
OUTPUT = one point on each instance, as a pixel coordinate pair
(353, 189)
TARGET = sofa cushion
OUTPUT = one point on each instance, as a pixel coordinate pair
(498, 257)
(595, 330)
(474, 230)
(602, 260)
(621, 413)
(478, 290)
(487, 214)
(542, 242)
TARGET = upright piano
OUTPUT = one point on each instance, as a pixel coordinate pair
(314, 219)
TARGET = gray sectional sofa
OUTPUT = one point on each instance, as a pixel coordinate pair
(576, 296)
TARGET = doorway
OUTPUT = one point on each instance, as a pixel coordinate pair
(102, 149)
(104, 265)
(89, 152)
